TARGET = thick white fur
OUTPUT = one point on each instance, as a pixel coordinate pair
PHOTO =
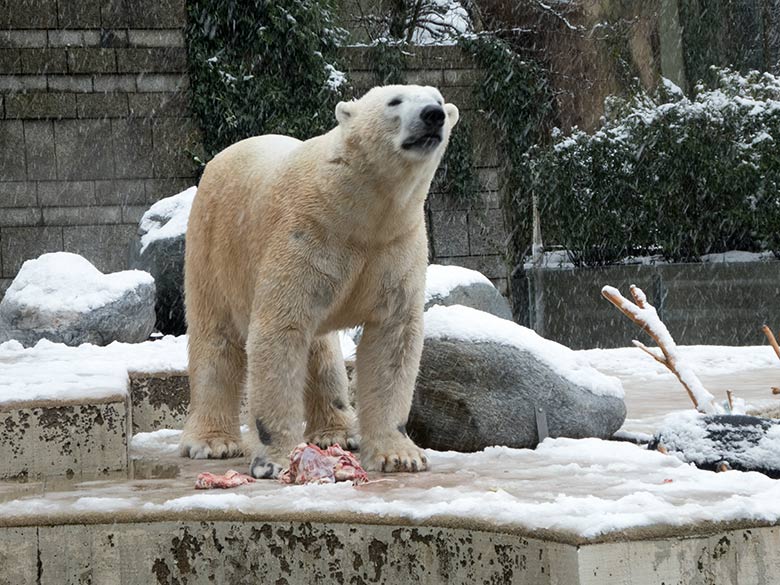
(290, 241)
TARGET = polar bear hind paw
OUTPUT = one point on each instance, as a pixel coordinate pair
(343, 438)
(261, 468)
(214, 448)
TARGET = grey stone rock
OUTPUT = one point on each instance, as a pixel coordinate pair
(163, 258)
(472, 395)
(128, 318)
(478, 295)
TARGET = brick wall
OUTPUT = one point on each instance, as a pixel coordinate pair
(94, 124)
(471, 236)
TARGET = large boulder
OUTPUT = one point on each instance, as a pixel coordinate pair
(159, 250)
(62, 297)
(486, 381)
(455, 285)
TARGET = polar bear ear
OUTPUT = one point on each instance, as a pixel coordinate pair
(343, 113)
(452, 113)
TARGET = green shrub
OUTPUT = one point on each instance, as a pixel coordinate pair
(666, 174)
(261, 67)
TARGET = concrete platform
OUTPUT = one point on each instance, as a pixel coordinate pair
(568, 513)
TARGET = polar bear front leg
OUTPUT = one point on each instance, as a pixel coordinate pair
(277, 356)
(388, 358)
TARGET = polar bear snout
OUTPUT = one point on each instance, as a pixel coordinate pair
(433, 116)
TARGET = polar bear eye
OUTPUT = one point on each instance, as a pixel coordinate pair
(395, 102)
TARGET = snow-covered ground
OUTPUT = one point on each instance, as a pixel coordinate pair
(584, 487)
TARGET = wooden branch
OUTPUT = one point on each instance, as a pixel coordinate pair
(772, 341)
(639, 311)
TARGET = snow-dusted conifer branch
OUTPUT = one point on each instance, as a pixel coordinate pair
(644, 314)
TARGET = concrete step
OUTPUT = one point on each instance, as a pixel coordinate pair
(159, 400)
(69, 438)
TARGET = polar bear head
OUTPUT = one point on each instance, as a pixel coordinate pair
(407, 121)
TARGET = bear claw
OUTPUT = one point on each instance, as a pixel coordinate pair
(209, 449)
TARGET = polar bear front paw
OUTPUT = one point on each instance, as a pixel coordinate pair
(213, 448)
(392, 455)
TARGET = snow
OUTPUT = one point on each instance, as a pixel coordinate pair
(336, 79)
(459, 322)
(586, 487)
(715, 360)
(441, 23)
(54, 371)
(441, 280)
(644, 313)
(738, 256)
(156, 443)
(686, 436)
(61, 282)
(167, 218)
(60, 380)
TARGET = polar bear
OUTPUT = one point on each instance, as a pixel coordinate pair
(287, 243)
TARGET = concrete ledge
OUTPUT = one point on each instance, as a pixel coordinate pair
(159, 401)
(74, 439)
(209, 551)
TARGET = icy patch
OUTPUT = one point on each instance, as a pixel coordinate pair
(459, 322)
(167, 218)
(440, 280)
(64, 283)
(54, 371)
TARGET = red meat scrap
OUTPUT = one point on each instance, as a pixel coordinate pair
(230, 479)
(310, 464)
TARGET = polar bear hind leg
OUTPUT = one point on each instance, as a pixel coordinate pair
(330, 418)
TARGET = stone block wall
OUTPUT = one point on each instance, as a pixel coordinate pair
(471, 235)
(94, 124)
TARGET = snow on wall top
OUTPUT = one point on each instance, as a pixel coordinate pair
(440, 280)
(459, 322)
(54, 371)
(64, 282)
(167, 218)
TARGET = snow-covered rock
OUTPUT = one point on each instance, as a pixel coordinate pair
(62, 297)
(159, 250)
(482, 380)
(745, 443)
(455, 285)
